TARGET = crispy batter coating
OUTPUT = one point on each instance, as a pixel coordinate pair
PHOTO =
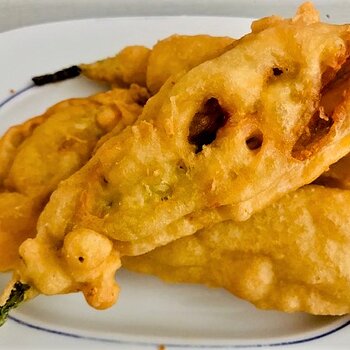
(18, 218)
(151, 68)
(38, 154)
(332, 95)
(129, 107)
(12, 139)
(338, 174)
(223, 141)
(292, 256)
(127, 67)
(179, 53)
(10, 142)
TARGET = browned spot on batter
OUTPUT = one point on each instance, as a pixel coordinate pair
(318, 127)
(206, 123)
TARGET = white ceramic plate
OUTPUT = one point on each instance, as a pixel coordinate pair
(149, 312)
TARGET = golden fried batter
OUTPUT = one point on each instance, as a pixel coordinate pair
(292, 256)
(179, 53)
(338, 174)
(38, 154)
(12, 139)
(127, 67)
(151, 68)
(105, 71)
(223, 141)
(18, 219)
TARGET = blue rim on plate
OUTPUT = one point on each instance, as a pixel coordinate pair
(15, 94)
(169, 345)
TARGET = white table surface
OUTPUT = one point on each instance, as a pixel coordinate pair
(18, 13)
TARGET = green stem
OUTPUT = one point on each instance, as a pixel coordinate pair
(16, 297)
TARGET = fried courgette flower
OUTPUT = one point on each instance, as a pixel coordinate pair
(19, 212)
(127, 67)
(293, 256)
(146, 67)
(222, 141)
(152, 67)
(36, 155)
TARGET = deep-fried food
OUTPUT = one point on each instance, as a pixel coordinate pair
(38, 154)
(18, 218)
(223, 141)
(338, 174)
(151, 68)
(115, 70)
(292, 256)
(127, 67)
(180, 53)
(12, 139)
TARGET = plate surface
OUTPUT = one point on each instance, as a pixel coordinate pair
(149, 312)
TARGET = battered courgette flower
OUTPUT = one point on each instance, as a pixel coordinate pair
(219, 142)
